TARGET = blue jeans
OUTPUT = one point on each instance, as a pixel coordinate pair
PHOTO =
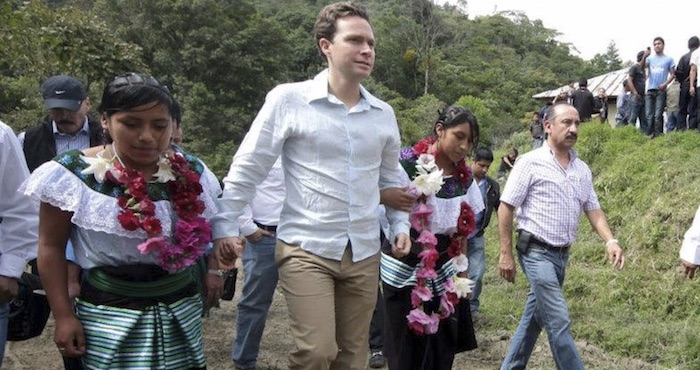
(637, 111)
(259, 282)
(477, 267)
(4, 319)
(545, 308)
(655, 103)
(672, 121)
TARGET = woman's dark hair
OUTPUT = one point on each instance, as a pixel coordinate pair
(455, 115)
(128, 91)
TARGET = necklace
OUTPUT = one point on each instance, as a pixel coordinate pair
(428, 180)
(192, 233)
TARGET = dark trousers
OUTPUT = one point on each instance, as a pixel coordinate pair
(376, 326)
(687, 109)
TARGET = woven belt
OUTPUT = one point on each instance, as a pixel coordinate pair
(163, 286)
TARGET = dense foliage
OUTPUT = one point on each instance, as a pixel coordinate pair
(220, 57)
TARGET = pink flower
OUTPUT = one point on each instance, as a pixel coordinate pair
(129, 220)
(427, 238)
(422, 146)
(420, 294)
(152, 226)
(429, 257)
(465, 224)
(420, 216)
(191, 234)
(421, 323)
(449, 285)
(446, 307)
(426, 273)
(147, 207)
(152, 244)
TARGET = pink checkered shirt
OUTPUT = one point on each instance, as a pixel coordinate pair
(550, 198)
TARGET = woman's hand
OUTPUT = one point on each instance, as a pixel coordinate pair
(402, 246)
(69, 337)
(214, 287)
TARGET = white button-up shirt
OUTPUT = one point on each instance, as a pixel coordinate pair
(335, 161)
(266, 207)
(18, 213)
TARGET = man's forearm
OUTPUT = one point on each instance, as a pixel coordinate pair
(505, 228)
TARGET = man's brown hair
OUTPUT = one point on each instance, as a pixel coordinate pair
(326, 21)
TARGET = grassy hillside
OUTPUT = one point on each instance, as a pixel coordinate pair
(650, 190)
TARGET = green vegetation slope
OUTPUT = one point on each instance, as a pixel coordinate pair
(649, 310)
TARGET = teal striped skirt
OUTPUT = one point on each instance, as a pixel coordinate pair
(138, 332)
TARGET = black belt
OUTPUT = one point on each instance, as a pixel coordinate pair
(545, 245)
(272, 229)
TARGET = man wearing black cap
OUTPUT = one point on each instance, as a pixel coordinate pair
(66, 126)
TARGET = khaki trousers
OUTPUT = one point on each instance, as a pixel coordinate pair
(330, 307)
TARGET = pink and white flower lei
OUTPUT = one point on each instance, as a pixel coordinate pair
(192, 232)
(428, 182)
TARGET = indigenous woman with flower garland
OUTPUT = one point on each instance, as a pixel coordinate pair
(136, 211)
(426, 292)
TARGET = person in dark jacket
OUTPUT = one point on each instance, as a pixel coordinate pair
(476, 244)
(66, 126)
(583, 100)
(687, 107)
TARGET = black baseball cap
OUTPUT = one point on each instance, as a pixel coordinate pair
(63, 92)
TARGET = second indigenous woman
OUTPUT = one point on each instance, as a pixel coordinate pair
(137, 213)
(426, 291)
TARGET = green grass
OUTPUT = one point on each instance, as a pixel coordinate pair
(650, 190)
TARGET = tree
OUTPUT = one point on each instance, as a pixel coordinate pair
(609, 61)
(39, 42)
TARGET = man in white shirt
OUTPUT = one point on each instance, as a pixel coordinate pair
(339, 146)
(259, 225)
(19, 217)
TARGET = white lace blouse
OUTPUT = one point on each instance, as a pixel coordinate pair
(97, 236)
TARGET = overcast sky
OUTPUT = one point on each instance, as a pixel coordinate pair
(591, 25)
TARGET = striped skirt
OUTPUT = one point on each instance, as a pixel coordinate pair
(154, 333)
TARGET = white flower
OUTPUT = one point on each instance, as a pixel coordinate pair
(428, 184)
(165, 172)
(461, 263)
(426, 164)
(97, 166)
(463, 286)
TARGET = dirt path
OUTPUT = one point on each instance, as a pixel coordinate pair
(40, 353)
